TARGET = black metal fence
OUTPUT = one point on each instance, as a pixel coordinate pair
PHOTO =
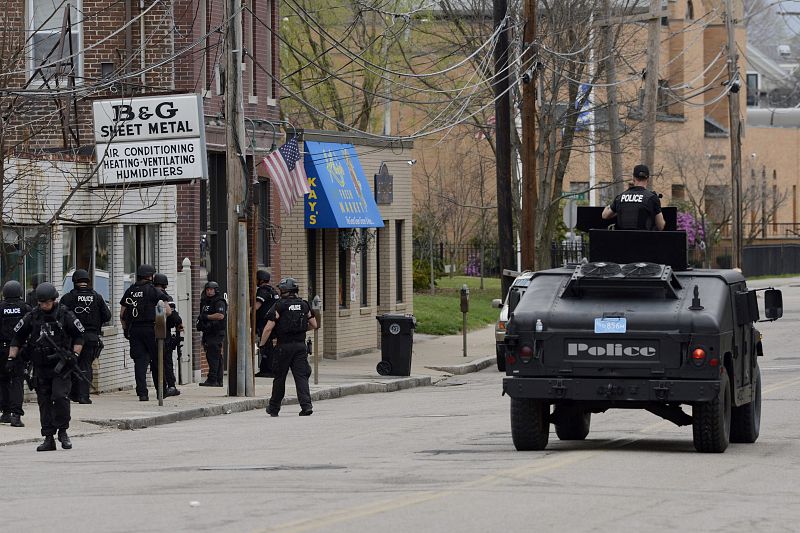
(770, 260)
(461, 259)
(565, 252)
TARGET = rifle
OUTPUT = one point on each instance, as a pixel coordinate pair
(28, 375)
(176, 343)
(65, 358)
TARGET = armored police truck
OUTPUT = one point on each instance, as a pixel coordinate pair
(636, 328)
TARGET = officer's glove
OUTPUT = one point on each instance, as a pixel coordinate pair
(10, 365)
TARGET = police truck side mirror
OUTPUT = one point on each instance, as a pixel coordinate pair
(464, 298)
(773, 304)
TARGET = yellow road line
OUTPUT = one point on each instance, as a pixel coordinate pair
(780, 385)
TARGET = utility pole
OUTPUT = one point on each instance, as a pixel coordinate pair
(235, 177)
(735, 136)
(651, 87)
(530, 193)
(618, 184)
(502, 110)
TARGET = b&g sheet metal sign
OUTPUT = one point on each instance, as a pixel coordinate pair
(151, 139)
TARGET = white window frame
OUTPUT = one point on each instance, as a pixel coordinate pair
(30, 30)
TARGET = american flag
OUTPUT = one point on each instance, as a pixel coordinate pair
(285, 167)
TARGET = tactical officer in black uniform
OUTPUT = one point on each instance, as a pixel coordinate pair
(54, 338)
(291, 317)
(30, 298)
(211, 322)
(12, 309)
(265, 299)
(174, 321)
(138, 316)
(92, 310)
(637, 208)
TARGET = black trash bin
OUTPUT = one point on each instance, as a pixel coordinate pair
(397, 339)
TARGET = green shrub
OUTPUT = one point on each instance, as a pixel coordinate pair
(422, 275)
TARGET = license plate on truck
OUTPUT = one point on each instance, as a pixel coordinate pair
(610, 325)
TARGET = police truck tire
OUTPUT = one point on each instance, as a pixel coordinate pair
(530, 426)
(575, 427)
(746, 419)
(711, 424)
(501, 358)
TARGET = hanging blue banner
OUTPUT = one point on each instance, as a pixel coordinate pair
(340, 194)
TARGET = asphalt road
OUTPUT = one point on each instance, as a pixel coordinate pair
(427, 459)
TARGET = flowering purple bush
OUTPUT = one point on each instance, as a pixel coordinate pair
(695, 232)
(473, 267)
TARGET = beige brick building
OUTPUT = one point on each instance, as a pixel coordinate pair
(356, 278)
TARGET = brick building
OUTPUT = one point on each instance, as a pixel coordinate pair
(55, 59)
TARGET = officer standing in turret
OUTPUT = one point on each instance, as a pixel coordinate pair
(138, 315)
(12, 309)
(174, 321)
(54, 338)
(637, 208)
(290, 317)
(92, 310)
(211, 322)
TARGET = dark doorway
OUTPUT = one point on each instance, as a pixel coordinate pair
(216, 217)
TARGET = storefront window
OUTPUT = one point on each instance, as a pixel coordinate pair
(398, 262)
(88, 248)
(344, 271)
(364, 264)
(23, 253)
(140, 243)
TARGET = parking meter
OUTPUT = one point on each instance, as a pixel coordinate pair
(161, 334)
(464, 311)
(316, 310)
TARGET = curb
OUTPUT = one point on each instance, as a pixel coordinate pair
(250, 404)
(475, 366)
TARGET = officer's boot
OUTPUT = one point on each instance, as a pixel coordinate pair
(5, 418)
(16, 422)
(64, 438)
(48, 445)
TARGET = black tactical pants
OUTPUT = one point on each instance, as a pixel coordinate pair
(143, 350)
(290, 356)
(90, 352)
(11, 385)
(169, 367)
(213, 348)
(52, 393)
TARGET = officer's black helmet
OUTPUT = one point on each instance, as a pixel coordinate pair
(212, 285)
(145, 271)
(79, 276)
(160, 279)
(288, 285)
(46, 291)
(12, 289)
(262, 275)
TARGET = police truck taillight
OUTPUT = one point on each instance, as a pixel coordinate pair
(525, 353)
(698, 356)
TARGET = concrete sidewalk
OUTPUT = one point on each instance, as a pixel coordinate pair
(434, 358)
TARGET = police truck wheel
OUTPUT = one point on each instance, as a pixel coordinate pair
(711, 424)
(530, 427)
(746, 419)
(575, 426)
(501, 358)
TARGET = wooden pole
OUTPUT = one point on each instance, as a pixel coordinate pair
(613, 104)
(530, 197)
(234, 172)
(651, 87)
(736, 139)
(502, 108)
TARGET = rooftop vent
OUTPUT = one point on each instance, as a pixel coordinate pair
(784, 50)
